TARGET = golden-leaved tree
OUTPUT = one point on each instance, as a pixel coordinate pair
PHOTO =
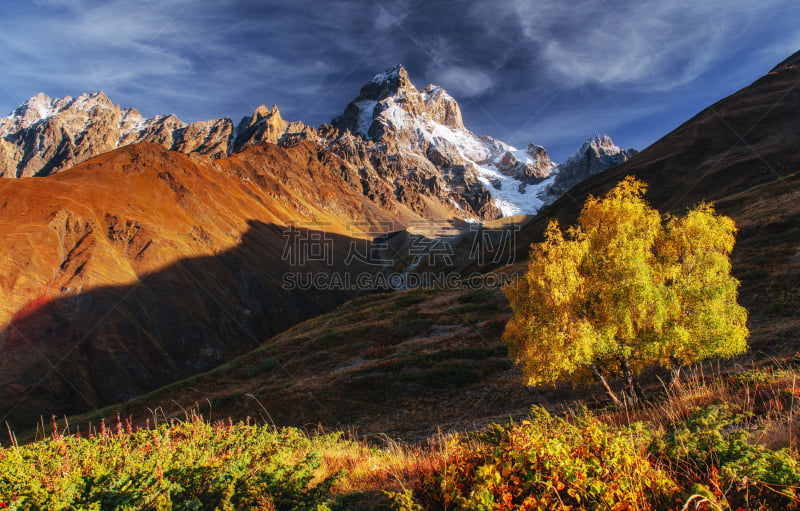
(626, 289)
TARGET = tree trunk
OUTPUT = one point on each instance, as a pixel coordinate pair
(638, 388)
(675, 372)
(602, 381)
(631, 390)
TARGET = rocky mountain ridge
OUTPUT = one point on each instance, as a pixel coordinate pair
(406, 145)
(44, 136)
(418, 139)
(595, 155)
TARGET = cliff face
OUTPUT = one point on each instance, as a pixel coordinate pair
(267, 125)
(416, 141)
(44, 136)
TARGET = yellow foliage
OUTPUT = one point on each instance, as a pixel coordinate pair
(705, 319)
(624, 283)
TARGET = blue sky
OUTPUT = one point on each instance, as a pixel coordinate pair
(550, 71)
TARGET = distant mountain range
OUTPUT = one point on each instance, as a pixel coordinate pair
(406, 144)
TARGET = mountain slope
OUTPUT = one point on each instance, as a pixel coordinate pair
(403, 364)
(142, 266)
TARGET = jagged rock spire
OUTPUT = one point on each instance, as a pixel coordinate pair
(265, 125)
(45, 135)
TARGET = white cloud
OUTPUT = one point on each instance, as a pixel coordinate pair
(652, 44)
(170, 55)
(464, 82)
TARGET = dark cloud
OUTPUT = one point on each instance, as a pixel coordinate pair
(549, 71)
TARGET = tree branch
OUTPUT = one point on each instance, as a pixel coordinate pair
(602, 381)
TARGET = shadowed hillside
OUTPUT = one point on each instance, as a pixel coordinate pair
(111, 343)
(404, 364)
(140, 267)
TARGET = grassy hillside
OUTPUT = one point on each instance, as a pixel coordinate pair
(143, 266)
(403, 364)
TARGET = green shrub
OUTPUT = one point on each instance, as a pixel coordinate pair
(403, 501)
(547, 463)
(190, 465)
(751, 377)
(760, 376)
(712, 450)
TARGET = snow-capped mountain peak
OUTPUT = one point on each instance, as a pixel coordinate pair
(600, 144)
(45, 135)
(37, 108)
(34, 110)
(41, 107)
(396, 72)
(599, 147)
(390, 102)
(425, 128)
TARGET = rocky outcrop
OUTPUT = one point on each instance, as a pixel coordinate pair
(43, 135)
(49, 135)
(393, 88)
(530, 168)
(595, 155)
(265, 125)
(414, 143)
